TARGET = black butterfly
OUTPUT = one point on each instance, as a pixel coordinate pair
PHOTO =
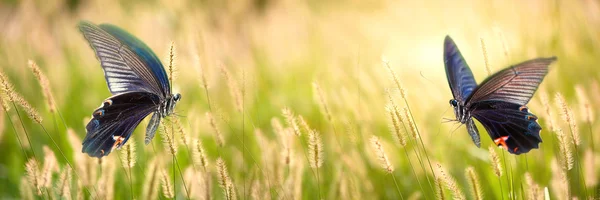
(498, 102)
(138, 82)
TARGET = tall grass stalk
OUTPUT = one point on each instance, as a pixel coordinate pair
(404, 97)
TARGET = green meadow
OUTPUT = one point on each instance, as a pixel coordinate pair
(297, 99)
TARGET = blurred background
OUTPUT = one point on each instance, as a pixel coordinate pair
(273, 52)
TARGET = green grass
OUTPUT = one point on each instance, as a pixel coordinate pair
(274, 52)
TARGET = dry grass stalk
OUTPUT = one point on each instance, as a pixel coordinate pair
(234, 90)
(33, 175)
(395, 78)
(395, 129)
(440, 193)
(476, 190)
(168, 141)
(500, 34)
(167, 187)
(585, 106)
(590, 168)
(381, 155)
(291, 121)
(560, 181)
(151, 180)
(411, 124)
(16, 98)
(105, 185)
(225, 180)
(50, 166)
(128, 155)
(566, 155)
(64, 184)
(486, 60)
(213, 124)
(567, 115)
(304, 124)
(199, 155)
(25, 190)
(171, 62)
(534, 191)
(315, 146)
(321, 100)
(45, 84)
(6, 89)
(179, 128)
(546, 103)
(451, 183)
(496, 165)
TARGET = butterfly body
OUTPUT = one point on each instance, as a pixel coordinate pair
(499, 102)
(138, 82)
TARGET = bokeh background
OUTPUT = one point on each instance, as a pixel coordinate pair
(274, 51)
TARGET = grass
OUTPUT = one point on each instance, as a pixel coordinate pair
(291, 100)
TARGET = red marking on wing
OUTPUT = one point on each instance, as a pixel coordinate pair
(502, 141)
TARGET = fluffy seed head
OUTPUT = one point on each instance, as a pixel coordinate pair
(128, 154)
(476, 190)
(44, 83)
(167, 134)
(16, 98)
(291, 121)
(315, 146)
(395, 128)
(167, 187)
(381, 155)
(321, 100)
(564, 148)
(200, 155)
(451, 183)
(213, 124)
(584, 102)
(395, 78)
(567, 115)
(495, 162)
(234, 90)
(33, 175)
(413, 127)
(64, 184)
(549, 115)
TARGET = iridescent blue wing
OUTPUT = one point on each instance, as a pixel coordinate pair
(129, 65)
(515, 84)
(460, 78)
(112, 123)
(509, 125)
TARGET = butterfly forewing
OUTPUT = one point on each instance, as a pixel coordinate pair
(112, 123)
(128, 64)
(516, 84)
(460, 78)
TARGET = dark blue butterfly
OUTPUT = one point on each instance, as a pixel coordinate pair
(138, 82)
(498, 102)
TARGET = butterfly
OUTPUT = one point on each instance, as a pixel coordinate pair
(138, 82)
(499, 102)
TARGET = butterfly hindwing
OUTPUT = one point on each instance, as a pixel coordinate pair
(112, 123)
(460, 78)
(129, 65)
(509, 125)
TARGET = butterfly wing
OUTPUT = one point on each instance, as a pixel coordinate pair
(112, 123)
(129, 65)
(509, 125)
(515, 84)
(499, 104)
(460, 78)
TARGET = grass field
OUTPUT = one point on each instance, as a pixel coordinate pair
(299, 100)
